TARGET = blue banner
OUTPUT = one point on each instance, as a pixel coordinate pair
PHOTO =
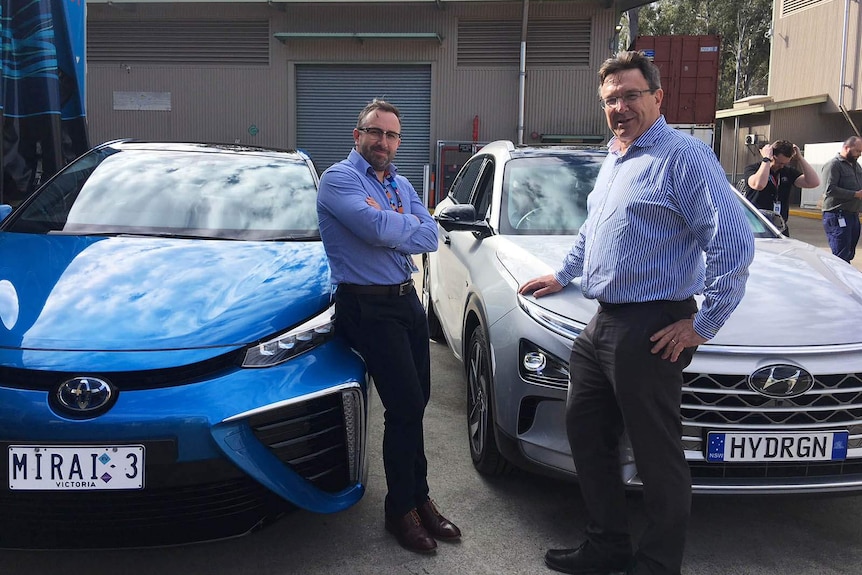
(42, 90)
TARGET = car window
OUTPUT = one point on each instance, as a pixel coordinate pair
(482, 196)
(465, 181)
(547, 194)
(237, 196)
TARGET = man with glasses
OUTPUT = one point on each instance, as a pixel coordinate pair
(769, 181)
(660, 202)
(372, 222)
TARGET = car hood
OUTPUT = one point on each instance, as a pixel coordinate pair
(139, 293)
(796, 294)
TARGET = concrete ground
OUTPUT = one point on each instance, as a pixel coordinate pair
(807, 226)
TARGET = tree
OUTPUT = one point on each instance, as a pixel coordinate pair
(743, 26)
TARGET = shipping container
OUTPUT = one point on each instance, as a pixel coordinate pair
(689, 75)
(703, 132)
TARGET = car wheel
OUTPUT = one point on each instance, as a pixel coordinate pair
(435, 330)
(486, 457)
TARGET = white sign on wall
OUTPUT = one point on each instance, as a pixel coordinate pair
(817, 155)
(158, 101)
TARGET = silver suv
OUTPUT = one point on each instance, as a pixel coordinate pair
(773, 404)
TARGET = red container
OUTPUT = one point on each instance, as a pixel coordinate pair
(689, 75)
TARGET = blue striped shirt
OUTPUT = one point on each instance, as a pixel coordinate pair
(365, 245)
(652, 215)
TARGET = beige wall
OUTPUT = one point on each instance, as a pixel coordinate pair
(806, 53)
(219, 103)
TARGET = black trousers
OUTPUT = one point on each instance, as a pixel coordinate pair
(391, 335)
(617, 384)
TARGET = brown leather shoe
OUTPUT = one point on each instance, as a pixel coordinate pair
(436, 524)
(410, 533)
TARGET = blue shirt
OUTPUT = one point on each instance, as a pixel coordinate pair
(367, 246)
(651, 216)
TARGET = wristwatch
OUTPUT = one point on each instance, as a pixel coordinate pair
(764, 160)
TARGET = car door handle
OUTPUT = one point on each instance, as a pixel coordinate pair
(447, 240)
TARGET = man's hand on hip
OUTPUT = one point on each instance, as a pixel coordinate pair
(671, 340)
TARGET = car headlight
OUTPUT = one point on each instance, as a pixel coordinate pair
(542, 367)
(300, 339)
(556, 323)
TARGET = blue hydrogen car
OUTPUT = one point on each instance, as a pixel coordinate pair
(168, 367)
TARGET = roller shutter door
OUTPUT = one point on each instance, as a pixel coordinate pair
(328, 101)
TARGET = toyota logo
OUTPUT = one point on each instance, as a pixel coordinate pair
(781, 381)
(84, 394)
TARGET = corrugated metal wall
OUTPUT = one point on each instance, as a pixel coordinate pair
(806, 47)
(256, 104)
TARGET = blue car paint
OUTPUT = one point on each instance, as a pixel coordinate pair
(140, 293)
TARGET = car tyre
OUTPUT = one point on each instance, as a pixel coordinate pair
(435, 330)
(487, 458)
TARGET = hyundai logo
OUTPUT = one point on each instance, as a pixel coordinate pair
(84, 394)
(781, 381)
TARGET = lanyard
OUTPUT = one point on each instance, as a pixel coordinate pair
(774, 179)
(394, 203)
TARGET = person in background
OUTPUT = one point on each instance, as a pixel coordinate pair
(842, 199)
(371, 223)
(661, 200)
(769, 181)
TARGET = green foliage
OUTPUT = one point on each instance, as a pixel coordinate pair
(742, 25)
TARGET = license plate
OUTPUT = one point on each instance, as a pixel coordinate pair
(75, 467)
(790, 446)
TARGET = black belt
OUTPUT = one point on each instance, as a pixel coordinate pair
(610, 306)
(390, 290)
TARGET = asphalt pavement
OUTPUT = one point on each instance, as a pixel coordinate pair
(807, 226)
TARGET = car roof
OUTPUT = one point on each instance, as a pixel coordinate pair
(539, 150)
(203, 147)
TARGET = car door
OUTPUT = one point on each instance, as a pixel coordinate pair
(455, 247)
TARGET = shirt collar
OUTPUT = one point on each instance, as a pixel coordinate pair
(645, 140)
(363, 167)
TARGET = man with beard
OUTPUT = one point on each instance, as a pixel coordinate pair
(372, 223)
(842, 199)
(660, 202)
(768, 182)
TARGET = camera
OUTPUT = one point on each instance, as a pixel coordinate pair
(750, 139)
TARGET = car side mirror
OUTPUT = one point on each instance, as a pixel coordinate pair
(775, 219)
(462, 218)
(5, 210)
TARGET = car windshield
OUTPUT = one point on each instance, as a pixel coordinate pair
(547, 195)
(179, 193)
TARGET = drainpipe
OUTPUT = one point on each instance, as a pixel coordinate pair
(735, 150)
(841, 84)
(522, 73)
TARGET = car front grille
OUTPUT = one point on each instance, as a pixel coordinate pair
(725, 402)
(317, 438)
(722, 400)
(174, 508)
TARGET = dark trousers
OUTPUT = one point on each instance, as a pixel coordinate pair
(391, 335)
(617, 385)
(842, 241)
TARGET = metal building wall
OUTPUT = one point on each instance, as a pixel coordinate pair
(256, 104)
(806, 47)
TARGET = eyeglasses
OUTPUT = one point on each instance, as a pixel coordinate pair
(629, 98)
(378, 134)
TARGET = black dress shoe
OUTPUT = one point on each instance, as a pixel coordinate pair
(410, 533)
(437, 525)
(585, 560)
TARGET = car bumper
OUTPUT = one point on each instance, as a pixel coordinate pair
(222, 455)
(531, 419)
